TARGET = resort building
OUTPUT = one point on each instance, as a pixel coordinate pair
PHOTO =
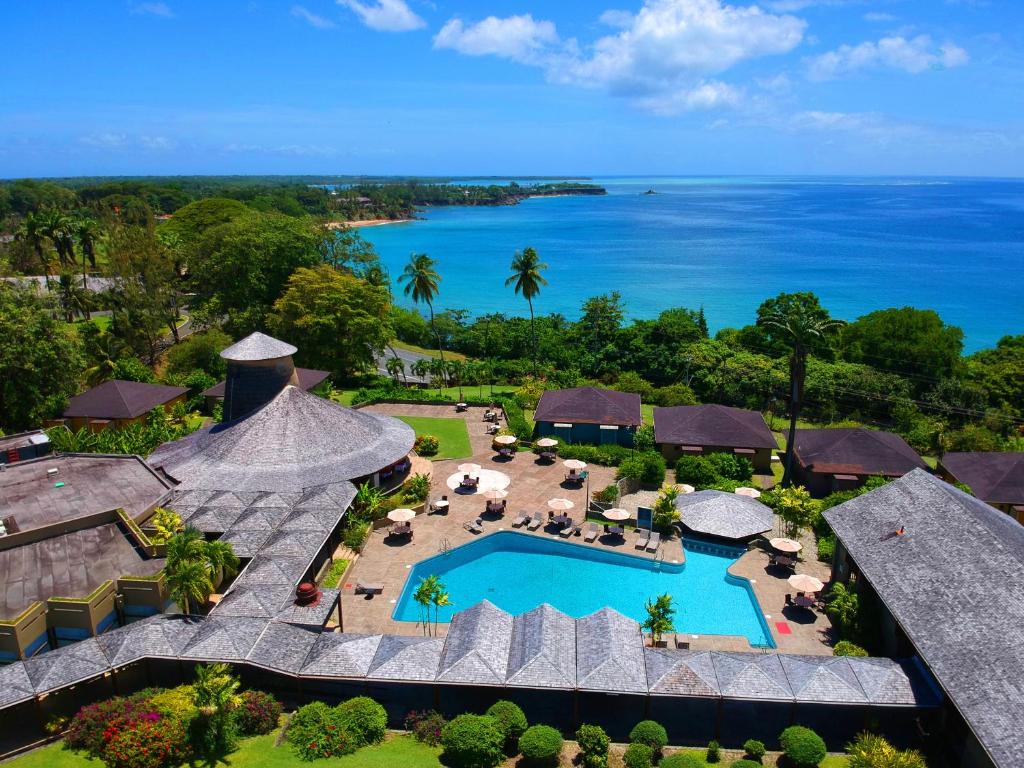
(24, 445)
(118, 403)
(830, 460)
(588, 415)
(995, 478)
(308, 379)
(721, 515)
(696, 430)
(942, 571)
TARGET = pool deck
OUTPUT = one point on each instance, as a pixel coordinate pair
(389, 562)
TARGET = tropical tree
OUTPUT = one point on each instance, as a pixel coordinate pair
(32, 232)
(420, 368)
(439, 598)
(665, 512)
(88, 233)
(439, 373)
(395, 366)
(421, 282)
(527, 279)
(659, 617)
(424, 597)
(73, 298)
(59, 228)
(221, 560)
(194, 565)
(215, 695)
(188, 583)
(801, 324)
(457, 373)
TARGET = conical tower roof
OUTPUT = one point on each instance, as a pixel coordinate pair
(258, 346)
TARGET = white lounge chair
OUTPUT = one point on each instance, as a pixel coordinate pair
(642, 537)
(592, 532)
(474, 526)
(653, 542)
(521, 520)
(568, 528)
(537, 522)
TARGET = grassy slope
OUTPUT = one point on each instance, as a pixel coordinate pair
(448, 355)
(451, 434)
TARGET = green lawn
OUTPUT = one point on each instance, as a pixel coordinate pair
(334, 574)
(450, 433)
(448, 355)
(831, 761)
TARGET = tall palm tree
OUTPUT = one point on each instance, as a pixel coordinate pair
(215, 695)
(33, 232)
(457, 373)
(188, 583)
(527, 279)
(221, 560)
(801, 328)
(394, 366)
(59, 228)
(421, 281)
(72, 297)
(439, 373)
(421, 368)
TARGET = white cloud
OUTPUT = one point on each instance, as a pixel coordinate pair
(106, 139)
(617, 19)
(777, 84)
(706, 95)
(151, 9)
(311, 18)
(519, 38)
(385, 15)
(157, 143)
(915, 55)
(878, 17)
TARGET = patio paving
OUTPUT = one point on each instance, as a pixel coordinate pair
(532, 484)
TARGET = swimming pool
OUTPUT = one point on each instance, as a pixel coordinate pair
(519, 571)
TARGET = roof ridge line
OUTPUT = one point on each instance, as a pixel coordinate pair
(120, 395)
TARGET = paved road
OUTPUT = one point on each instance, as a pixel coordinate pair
(408, 358)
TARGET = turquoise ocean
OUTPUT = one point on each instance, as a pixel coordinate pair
(952, 245)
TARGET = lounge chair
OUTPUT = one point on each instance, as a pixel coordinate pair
(537, 522)
(522, 519)
(568, 528)
(592, 532)
(642, 537)
(474, 526)
(655, 540)
(369, 588)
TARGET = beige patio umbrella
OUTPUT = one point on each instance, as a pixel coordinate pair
(505, 439)
(616, 513)
(804, 582)
(560, 505)
(469, 468)
(751, 492)
(686, 488)
(574, 464)
(495, 493)
(401, 515)
(785, 545)
(546, 442)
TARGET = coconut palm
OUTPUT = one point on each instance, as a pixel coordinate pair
(188, 583)
(73, 298)
(420, 368)
(106, 350)
(194, 566)
(33, 232)
(424, 597)
(395, 366)
(801, 327)
(439, 598)
(59, 228)
(439, 373)
(421, 281)
(88, 233)
(527, 279)
(456, 373)
(221, 560)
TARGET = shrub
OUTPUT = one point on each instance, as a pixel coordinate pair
(672, 395)
(426, 726)
(355, 535)
(681, 760)
(605, 455)
(257, 713)
(650, 733)
(175, 703)
(509, 718)
(846, 648)
(754, 749)
(417, 487)
(515, 418)
(638, 755)
(364, 719)
(607, 495)
(150, 742)
(593, 743)
(314, 732)
(90, 724)
(541, 745)
(714, 753)
(426, 445)
(643, 438)
(697, 471)
(648, 468)
(802, 746)
(745, 763)
(826, 548)
(731, 467)
(472, 741)
(871, 751)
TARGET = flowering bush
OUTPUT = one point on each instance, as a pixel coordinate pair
(148, 742)
(257, 713)
(89, 727)
(426, 726)
(426, 445)
(315, 732)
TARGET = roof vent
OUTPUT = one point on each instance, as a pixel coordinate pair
(52, 471)
(307, 594)
(895, 533)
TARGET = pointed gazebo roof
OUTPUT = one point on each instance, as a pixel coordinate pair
(258, 346)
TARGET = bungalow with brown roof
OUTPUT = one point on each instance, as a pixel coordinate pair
(119, 403)
(694, 430)
(588, 415)
(830, 460)
(995, 478)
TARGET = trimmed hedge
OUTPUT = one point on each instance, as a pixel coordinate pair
(648, 468)
(364, 719)
(509, 718)
(744, 763)
(638, 755)
(846, 648)
(802, 746)
(593, 743)
(681, 760)
(605, 455)
(472, 741)
(755, 749)
(649, 732)
(541, 746)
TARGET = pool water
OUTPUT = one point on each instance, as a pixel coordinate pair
(517, 572)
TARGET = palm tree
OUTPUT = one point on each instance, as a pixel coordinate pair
(424, 596)
(456, 373)
(58, 227)
(527, 279)
(72, 297)
(88, 232)
(194, 566)
(221, 561)
(188, 546)
(420, 368)
(32, 232)
(438, 372)
(421, 283)
(802, 328)
(439, 598)
(188, 583)
(106, 351)
(395, 366)
(215, 695)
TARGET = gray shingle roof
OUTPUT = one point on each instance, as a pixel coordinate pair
(15, 685)
(117, 399)
(952, 581)
(728, 515)
(283, 647)
(310, 615)
(258, 346)
(340, 655)
(228, 639)
(246, 543)
(683, 673)
(817, 678)
(542, 653)
(161, 636)
(589, 405)
(295, 441)
(273, 570)
(891, 681)
(66, 666)
(712, 425)
(401, 657)
(258, 600)
(476, 649)
(751, 676)
(856, 451)
(997, 478)
(609, 653)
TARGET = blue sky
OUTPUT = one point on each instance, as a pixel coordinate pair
(526, 87)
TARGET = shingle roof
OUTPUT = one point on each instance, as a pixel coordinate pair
(855, 451)
(476, 649)
(308, 379)
(712, 425)
(589, 405)
(258, 600)
(76, 662)
(609, 653)
(751, 676)
(997, 478)
(117, 399)
(15, 685)
(161, 636)
(685, 673)
(258, 346)
(401, 657)
(310, 615)
(728, 515)
(542, 653)
(227, 639)
(283, 647)
(952, 581)
(817, 678)
(341, 655)
(295, 441)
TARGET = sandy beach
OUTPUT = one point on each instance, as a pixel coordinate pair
(364, 223)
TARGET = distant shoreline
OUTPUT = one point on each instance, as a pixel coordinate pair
(364, 223)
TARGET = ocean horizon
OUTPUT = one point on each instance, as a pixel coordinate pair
(955, 245)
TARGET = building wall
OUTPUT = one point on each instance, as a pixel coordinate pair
(590, 434)
(761, 458)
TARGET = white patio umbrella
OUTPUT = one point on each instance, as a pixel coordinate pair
(469, 468)
(505, 439)
(686, 488)
(401, 515)
(546, 442)
(560, 505)
(785, 545)
(616, 513)
(574, 464)
(751, 492)
(804, 582)
(495, 493)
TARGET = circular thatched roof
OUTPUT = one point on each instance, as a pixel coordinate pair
(727, 515)
(295, 441)
(258, 346)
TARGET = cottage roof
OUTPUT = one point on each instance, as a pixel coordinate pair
(997, 478)
(712, 425)
(589, 405)
(117, 399)
(855, 451)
